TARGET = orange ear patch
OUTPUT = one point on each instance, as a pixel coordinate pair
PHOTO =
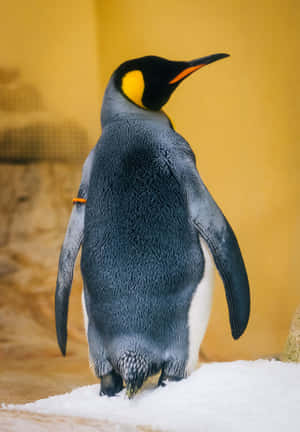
(133, 86)
(185, 73)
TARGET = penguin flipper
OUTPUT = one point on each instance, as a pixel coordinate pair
(216, 231)
(68, 255)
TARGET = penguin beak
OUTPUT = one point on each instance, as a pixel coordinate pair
(194, 65)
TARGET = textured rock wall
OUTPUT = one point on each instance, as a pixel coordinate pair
(292, 347)
(35, 203)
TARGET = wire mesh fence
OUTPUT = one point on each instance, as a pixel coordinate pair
(29, 132)
(43, 140)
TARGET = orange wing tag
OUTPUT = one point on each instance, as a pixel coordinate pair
(79, 200)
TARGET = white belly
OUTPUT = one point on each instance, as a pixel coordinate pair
(200, 309)
(86, 326)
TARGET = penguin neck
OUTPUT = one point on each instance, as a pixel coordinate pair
(116, 106)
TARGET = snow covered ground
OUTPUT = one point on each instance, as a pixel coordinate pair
(238, 396)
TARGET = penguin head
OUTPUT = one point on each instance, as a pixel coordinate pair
(149, 81)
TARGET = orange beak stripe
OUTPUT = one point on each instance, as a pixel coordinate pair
(185, 73)
(79, 200)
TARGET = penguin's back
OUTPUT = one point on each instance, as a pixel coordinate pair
(141, 258)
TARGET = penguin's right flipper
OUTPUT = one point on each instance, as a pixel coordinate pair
(216, 231)
(68, 255)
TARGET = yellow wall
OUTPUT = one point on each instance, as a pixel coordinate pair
(53, 44)
(241, 117)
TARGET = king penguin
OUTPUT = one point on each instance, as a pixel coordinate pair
(150, 234)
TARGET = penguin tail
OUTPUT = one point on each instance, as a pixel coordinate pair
(134, 369)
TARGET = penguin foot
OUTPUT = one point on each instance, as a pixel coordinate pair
(111, 384)
(134, 385)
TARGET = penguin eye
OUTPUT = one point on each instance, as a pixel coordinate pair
(133, 86)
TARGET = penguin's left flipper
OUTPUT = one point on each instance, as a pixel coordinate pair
(68, 255)
(216, 231)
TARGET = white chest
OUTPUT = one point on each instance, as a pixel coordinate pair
(200, 309)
